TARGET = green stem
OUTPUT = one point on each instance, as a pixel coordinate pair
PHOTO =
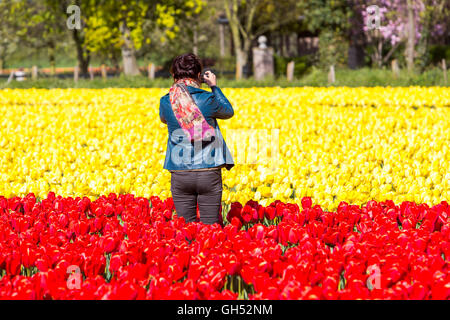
(239, 285)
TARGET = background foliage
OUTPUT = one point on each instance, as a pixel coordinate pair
(127, 37)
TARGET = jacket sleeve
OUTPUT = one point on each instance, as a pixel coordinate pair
(222, 108)
(161, 116)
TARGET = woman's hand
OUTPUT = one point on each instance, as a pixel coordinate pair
(210, 79)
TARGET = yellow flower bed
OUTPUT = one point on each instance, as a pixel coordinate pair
(332, 144)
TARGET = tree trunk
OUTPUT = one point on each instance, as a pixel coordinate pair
(240, 55)
(83, 56)
(195, 42)
(232, 50)
(411, 38)
(357, 44)
(3, 49)
(241, 35)
(288, 44)
(380, 53)
(115, 63)
(355, 56)
(246, 56)
(232, 15)
(222, 40)
(130, 67)
(378, 59)
(51, 57)
(241, 60)
(282, 52)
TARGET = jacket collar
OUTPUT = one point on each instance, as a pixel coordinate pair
(193, 90)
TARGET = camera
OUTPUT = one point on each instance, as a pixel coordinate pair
(203, 74)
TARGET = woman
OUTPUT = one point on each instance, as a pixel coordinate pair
(196, 150)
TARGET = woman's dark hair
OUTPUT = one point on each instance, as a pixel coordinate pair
(187, 65)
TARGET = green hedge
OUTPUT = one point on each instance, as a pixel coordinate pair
(364, 77)
(301, 66)
(439, 52)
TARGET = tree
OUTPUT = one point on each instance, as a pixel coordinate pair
(407, 22)
(411, 39)
(124, 22)
(177, 24)
(331, 20)
(102, 40)
(79, 36)
(243, 16)
(127, 26)
(192, 31)
(58, 9)
(45, 29)
(435, 21)
(12, 30)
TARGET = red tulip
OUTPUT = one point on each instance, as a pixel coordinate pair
(248, 213)
(306, 203)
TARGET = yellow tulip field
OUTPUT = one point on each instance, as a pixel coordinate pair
(331, 144)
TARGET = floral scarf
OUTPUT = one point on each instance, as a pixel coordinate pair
(188, 115)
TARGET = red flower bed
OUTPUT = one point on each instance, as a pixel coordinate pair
(124, 247)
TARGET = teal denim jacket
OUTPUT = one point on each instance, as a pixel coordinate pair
(182, 154)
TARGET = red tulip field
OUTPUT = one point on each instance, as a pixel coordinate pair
(126, 247)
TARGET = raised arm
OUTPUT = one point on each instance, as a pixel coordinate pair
(222, 107)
